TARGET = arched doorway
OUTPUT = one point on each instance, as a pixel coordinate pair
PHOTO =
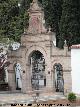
(18, 76)
(38, 78)
(59, 81)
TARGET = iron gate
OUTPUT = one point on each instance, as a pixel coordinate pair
(38, 70)
(59, 81)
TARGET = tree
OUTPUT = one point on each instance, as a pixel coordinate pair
(12, 19)
(53, 12)
(69, 23)
(7, 12)
(63, 16)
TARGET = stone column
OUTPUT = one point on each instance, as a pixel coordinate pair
(26, 80)
(11, 80)
(67, 81)
(29, 87)
(49, 83)
(53, 80)
(24, 85)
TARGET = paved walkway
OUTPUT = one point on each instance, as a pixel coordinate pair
(6, 99)
(19, 98)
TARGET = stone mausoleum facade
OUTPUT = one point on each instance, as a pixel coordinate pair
(38, 65)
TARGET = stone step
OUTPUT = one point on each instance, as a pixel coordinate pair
(10, 92)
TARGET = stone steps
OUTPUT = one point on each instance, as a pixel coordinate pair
(10, 92)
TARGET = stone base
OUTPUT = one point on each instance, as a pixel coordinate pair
(4, 86)
(41, 92)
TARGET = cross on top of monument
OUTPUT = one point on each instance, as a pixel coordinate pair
(65, 43)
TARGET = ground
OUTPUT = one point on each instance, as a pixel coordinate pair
(63, 102)
(58, 103)
(6, 99)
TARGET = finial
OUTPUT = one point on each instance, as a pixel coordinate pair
(49, 29)
(1, 50)
(65, 43)
(24, 30)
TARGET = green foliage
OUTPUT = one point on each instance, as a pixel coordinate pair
(13, 19)
(53, 12)
(71, 97)
(62, 15)
(6, 41)
(69, 24)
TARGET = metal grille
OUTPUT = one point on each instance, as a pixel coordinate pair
(59, 81)
(38, 70)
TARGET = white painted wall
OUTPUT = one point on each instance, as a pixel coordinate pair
(75, 64)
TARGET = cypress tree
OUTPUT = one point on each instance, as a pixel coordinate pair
(69, 23)
(53, 12)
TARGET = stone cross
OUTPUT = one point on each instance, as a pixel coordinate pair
(49, 30)
(1, 50)
(65, 43)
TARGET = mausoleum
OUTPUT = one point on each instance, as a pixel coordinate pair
(38, 65)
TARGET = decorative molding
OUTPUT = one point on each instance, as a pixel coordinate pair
(28, 65)
(63, 70)
(14, 56)
(48, 45)
(60, 55)
(10, 71)
(40, 41)
(22, 46)
(66, 70)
